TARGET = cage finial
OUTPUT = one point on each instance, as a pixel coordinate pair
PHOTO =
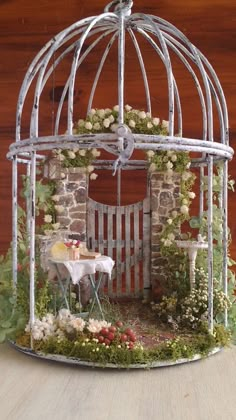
(123, 6)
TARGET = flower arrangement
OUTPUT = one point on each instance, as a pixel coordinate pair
(106, 120)
(77, 158)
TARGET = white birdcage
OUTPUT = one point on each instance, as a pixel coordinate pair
(117, 29)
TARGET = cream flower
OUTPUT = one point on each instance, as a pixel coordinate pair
(191, 194)
(116, 108)
(171, 237)
(165, 124)
(90, 168)
(174, 158)
(184, 201)
(149, 125)
(95, 152)
(59, 209)
(71, 154)
(93, 176)
(81, 123)
(174, 214)
(128, 108)
(114, 127)
(48, 218)
(184, 209)
(97, 126)
(142, 115)
(92, 111)
(186, 175)
(82, 152)
(106, 123)
(88, 125)
(63, 175)
(101, 113)
(169, 165)
(169, 221)
(150, 153)
(156, 121)
(107, 110)
(78, 324)
(111, 118)
(132, 123)
(60, 157)
(56, 226)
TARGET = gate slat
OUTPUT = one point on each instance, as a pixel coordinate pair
(146, 247)
(136, 249)
(91, 207)
(127, 250)
(110, 243)
(118, 251)
(100, 229)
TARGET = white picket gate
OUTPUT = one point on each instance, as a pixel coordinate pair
(123, 233)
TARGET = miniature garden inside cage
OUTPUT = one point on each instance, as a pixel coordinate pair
(97, 281)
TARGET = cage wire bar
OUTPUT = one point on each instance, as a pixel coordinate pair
(112, 25)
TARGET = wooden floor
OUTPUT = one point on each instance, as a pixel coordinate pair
(32, 389)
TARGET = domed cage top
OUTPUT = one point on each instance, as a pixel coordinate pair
(116, 29)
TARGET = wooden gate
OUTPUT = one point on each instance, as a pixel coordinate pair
(123, 233)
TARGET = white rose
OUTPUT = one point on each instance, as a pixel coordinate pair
(174, 214)
(169, 165)
(111, 118)
(90, 168)
(132, 123)
(106, 123)
(184, 209)
(95, 152)
(101, 113)
(148, 114)
(93, 176)
(71, 154)
(167, 242)
(191, 194)
(116, 108)
(56, 226)
(186, 175)
(92, 112)
(169, 221)
(82, 152)
(128, 108)
(142, 115)
(88, 125)
(149, 125)
(171, 237)
(114, 127)
(165, 124)
(174, 158)
(156, 121)
(107, 111)
(48, 218)
(97, 126)
(184, 201)
(150, 153)
(81, 123)
(63, 175)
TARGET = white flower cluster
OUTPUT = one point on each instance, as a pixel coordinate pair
(100, 120)
(195, 306)
(78, 157)
(64, 322)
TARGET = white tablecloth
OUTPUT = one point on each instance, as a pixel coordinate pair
(81, 268)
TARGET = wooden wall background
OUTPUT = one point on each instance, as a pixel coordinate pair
(25, 27)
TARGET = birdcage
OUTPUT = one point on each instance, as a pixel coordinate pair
(62, 107)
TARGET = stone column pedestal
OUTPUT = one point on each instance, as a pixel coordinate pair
(164, 199)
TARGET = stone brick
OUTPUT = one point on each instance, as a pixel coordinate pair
(156, 176)
(66, 200)
(64, 221)
(157, 228)
(80, 195)
(79, 207)
(71, 186)
(166, 199)
(77, 215)
(162, 211)
(78, 226)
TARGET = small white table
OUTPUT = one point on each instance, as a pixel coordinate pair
(77, 269)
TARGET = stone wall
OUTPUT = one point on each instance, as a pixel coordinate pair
(72, 193)
(164, 199)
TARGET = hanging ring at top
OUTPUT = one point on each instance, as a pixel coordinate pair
(123, 6)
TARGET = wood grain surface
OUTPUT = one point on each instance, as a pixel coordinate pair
(25, 27)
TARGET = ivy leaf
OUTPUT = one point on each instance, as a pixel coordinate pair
(195, 222)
